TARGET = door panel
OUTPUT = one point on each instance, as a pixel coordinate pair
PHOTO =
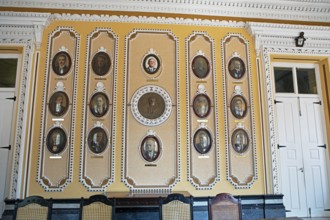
(6, 111)
(315, 157)
(291, 163)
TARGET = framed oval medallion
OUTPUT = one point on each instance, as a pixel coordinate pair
(202, 105)
(56, 140)
(236, 67)
(151, 105)
(61, 63)
(151, 64)
(240, 140)
(58, 103)
(238, 106)
(99, 104)
(101, 63)
(150, 148)
(200, 66)
(202, 141)
(97, 140)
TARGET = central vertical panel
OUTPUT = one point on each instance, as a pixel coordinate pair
(151, 143)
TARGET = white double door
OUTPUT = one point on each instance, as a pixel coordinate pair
(304, 159)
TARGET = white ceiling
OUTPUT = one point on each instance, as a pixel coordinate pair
(290, 10)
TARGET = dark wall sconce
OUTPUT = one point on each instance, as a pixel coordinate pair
(300, 40)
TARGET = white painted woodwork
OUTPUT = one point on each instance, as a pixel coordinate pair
(6, 113)
(303, 164)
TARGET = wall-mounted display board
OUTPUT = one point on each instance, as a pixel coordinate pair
(203, 135)
(58, 110)
(98, 135)
(151, 120)
(240, 150)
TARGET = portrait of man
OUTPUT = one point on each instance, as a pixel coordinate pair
(151, 105)
(238, 106)
(150, 148)
(56, 140)
(101, 63)
(97, 140)
(240, 141)
(58, 103)
(200, 66)
(202, 141)
(99, 104)
(151, 64)
(236, 68)
(201, 105)
(61, 63)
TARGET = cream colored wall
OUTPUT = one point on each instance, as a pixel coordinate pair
(76, 189)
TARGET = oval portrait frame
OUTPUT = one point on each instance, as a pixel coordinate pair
(56, 144)
(105, 68)
(62, 108)
(97, 146)
(97, 112)
(200, 100)
(156, 152)
(200, 66)
(199, 146)
(146, 66)
(240, 148)
(238, 112)
(57, 70)
(231, 68)
(135, 105)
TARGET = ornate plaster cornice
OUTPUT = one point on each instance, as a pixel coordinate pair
(26, 26)
(291, 10)
(283, 35)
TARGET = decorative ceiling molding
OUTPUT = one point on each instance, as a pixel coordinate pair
(283, 35)
(27, 26)
(290, 10)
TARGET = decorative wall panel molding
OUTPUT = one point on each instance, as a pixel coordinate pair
(151, 144)
(319, 47)
(292, 10)
(58, 110)
(203, 135)
(98, 134)
(240, 128)
(16, 31)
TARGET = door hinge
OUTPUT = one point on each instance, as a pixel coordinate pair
(319, 103)
(12, 98)
(326, 210)
(323, 146)
(280, 146)
(275, 101)
(287, 210)
(7, 147)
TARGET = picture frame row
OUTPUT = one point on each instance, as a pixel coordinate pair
(101, 64)
(151, 147)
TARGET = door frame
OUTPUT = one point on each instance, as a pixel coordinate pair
(267, 97)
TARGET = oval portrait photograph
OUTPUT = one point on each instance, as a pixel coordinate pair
(58, 103)
(56, 140)
(236, 67)
(200, 66)
(202, 105)
(101, 63)
(97, 140)
(238, 106)
(151, 64)
(202, 141)
(151, 105)
(240, 140)
(61, 63)
(150, 148)
(99, 104)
